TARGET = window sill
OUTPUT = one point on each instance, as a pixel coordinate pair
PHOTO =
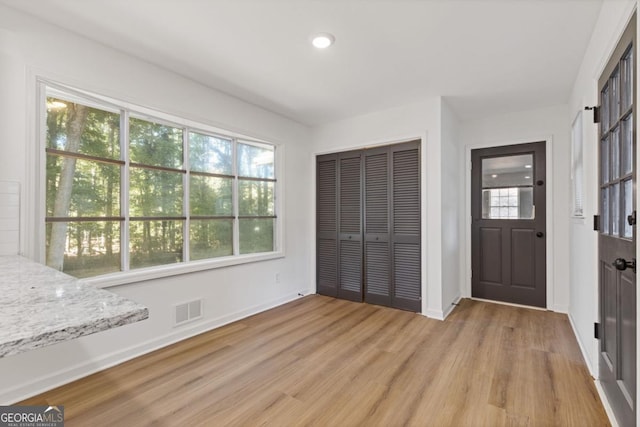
(159, 272)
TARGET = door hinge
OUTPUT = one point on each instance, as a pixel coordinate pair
(596, 330)
(596, 223)
(596, 113)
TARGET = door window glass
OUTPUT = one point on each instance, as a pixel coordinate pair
(605, 109)
(604, 159)
(615, 154)
(615, 97)
(628, 207)
(627, 145)
(615, 211)
(507, 187)
(605, 210)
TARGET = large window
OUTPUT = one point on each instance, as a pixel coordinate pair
(125, 190)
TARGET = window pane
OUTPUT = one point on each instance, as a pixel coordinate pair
(155, 144)
(518, 206)
(615, 153)
(92, 190)
(628, 207)
(525, 208)
(615, 209)
(210, 238)
(627, 144)
(155, 243)
(255, 197)
(84, 249)
(155, 193)
(507, 171)
(627, 80)
(210, 154)
(615, 97)
(605, 210)
(255, 161)
(210, 195)
(604, 160)
(99, 133)
(256, 235)
(605, 109)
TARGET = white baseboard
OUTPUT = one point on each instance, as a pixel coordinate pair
(607, 406)
(585, 354)
(449, 309)
(561, 309)
(442, 314)
(65, 376)
(434, 314)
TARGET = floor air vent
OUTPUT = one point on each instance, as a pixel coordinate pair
(187, 312)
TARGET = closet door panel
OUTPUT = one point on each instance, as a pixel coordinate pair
(350, 225)
(377, 257)
(327, 225)
(405, 174)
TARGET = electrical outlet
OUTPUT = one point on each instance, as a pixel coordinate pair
(277, 278)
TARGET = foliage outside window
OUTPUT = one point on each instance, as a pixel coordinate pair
(126, 191)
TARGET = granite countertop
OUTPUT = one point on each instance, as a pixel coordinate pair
(40, 306)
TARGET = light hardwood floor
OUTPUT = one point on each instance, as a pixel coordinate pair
(328, 362)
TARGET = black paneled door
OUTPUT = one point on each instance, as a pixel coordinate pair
(368, 225)
(617, 237)
(508, 230)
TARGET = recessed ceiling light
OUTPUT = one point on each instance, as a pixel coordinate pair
(527, 166)
(494, 176)
(323, 40)
(527, 177)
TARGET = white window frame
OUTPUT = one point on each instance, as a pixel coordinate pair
(47, 88)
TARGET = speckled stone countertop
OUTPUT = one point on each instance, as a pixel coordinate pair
(40, 306)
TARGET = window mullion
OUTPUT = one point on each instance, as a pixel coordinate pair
(186, 256)
(124, 193)
(235, 200)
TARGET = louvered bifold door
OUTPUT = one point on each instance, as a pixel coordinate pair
(405, 230)
(377, 250)
(350, 226)
(327, 225)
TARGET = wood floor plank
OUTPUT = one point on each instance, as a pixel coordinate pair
(320, 361)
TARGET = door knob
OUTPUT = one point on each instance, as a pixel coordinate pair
(622, 264)
(539, 234)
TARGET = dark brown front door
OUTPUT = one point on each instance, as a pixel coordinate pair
(617, 238)
(508, 231)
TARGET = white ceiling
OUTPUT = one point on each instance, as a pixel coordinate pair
(485, 56)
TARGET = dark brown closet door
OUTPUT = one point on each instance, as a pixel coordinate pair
(405, 221)
(368, 225)
(327, 225)
(350, 226)
(377, 249)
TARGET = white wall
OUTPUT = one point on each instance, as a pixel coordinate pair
(530, 126)
(583, 305)
(452, 209)
(415, 121)
(30, 48)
